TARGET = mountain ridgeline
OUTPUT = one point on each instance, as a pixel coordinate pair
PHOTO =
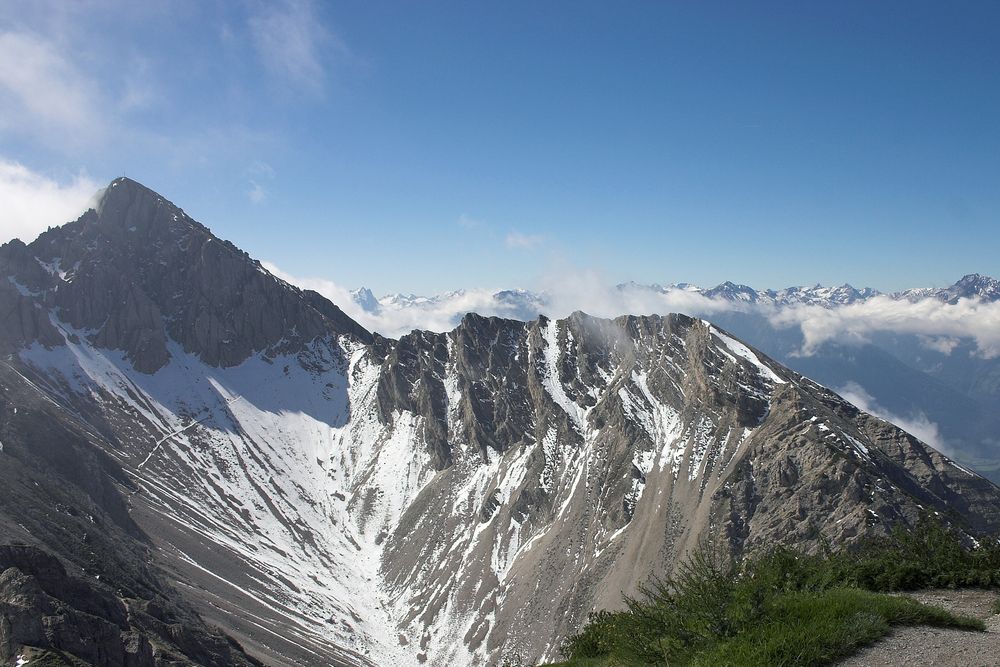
(905, 368)
(209, 466)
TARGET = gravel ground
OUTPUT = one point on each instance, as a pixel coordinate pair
(922, 646)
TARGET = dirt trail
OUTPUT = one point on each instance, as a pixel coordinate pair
(922, 646)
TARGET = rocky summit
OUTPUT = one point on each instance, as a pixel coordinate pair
(205, 465)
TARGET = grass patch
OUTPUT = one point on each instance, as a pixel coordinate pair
(818, 628)
(785, 607)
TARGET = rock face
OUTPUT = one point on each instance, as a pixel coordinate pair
(204, 436)
(138, 271)
(45, 608)
(63, 495)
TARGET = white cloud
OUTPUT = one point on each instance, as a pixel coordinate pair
(433, 315)
(558, 295)
(856, 322)
(42, 93)
(942, 344)
(521, 241)
(258, 171)
(335, 293)
(916, 424)
(441, 314)
(256, 194)
(469, 222)
(33, 202)
(570, 289)
(291, 41)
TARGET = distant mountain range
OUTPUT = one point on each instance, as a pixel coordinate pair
(531, 304)
(203, 464)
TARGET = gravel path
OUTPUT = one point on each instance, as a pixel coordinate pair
(923, 646)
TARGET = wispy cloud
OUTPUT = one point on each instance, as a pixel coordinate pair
(517, 240)
(261, 168)
(292, 42)
(112, 101)
(44, 94)
(468, 222)
(258, 171)
(916, 424)
(332, 291)
(439, 315)
(139, 92)
(256, 194)
(558, 294)
(32, 202)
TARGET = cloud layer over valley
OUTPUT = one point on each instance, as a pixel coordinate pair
(938, 324)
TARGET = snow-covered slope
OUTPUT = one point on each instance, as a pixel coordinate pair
(253, 483)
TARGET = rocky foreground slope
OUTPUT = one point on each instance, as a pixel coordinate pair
(190, 434)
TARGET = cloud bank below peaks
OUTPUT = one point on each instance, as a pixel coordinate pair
(938, 325)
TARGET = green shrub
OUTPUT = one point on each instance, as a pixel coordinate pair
(785, 607)
(929, 556)
(816, 628)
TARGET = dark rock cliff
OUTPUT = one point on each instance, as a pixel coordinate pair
(138, 271)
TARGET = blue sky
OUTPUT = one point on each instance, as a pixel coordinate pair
(421, 147)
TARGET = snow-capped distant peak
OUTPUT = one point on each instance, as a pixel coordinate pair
(364, 298)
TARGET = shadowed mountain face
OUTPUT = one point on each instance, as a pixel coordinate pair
(77, 576)
(137, 272)
(188, 433)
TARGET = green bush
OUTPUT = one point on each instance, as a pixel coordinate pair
(930, 556)
(816, 628)
(786, 607)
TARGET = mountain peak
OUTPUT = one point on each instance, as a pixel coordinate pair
(126, 203)
(733, 292)
(128, 183)
(366, 299)
(974, 285)
(975, 279)
(138, 272)
(125, 189)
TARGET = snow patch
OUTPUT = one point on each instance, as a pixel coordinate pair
(664, 423)
(550, 379)
(741, 350)
(21, 289)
